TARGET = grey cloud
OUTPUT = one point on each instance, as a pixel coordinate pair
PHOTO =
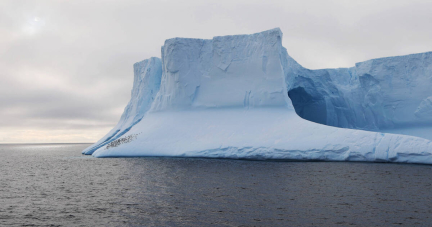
(72, 67)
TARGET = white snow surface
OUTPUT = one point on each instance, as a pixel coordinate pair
(265, 133)
(228, 98)
(147, 78)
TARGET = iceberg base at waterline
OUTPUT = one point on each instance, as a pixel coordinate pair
(272, 133)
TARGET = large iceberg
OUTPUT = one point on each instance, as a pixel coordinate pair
(234, 97)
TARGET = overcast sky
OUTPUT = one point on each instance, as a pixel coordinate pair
(66, 66)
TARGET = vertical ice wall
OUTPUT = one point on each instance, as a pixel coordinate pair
(147, 79)
(225, 72)
(374, 95)
(399, 85)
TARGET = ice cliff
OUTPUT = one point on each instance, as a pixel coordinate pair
(229, 71)
(379, 94)
(234, 97)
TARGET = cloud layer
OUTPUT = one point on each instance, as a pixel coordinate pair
(66, 66)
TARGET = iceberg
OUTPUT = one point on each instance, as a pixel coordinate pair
(147, 79)
(244, 97)
(386, 94)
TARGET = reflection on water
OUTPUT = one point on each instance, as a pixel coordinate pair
(56, 185)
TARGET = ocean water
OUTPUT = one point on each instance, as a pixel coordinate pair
(54, 185)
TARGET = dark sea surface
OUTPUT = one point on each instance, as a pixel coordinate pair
(54, 185)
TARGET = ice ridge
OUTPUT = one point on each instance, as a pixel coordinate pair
(147, 79)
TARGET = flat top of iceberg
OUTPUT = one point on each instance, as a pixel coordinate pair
(277, 29)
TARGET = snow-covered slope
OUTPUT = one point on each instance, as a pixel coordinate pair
(265, 133)
(147, 78)
(228, 97)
